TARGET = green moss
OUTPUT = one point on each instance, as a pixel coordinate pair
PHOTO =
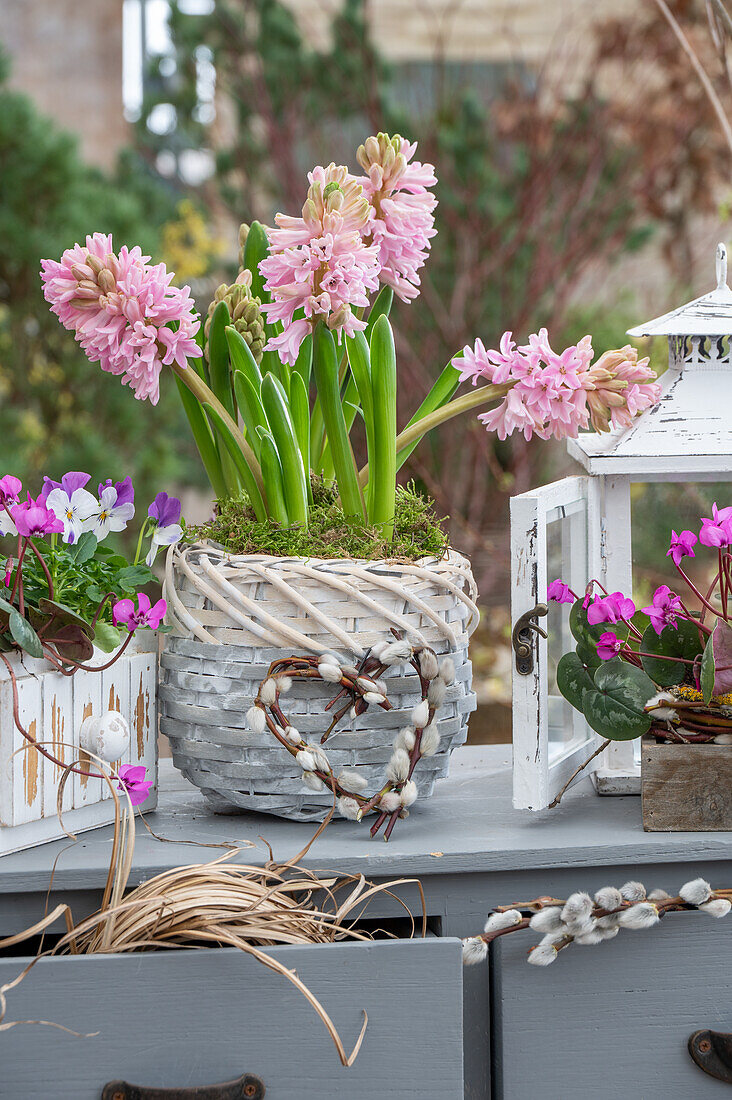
(418, 532)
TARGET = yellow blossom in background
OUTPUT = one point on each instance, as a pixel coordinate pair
(188, 246)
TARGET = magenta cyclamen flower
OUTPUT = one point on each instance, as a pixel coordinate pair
(124, 611)
(121, 310)
(403, 221)
(664, 610)
(319, 263)
(682, 546)
(717, 530)
(33, 519)
(559, 592)
(132, 780)
(614, 608)
(609, 645)
(10, 488)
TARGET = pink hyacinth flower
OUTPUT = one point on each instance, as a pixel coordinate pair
(123, 311)
(403, 223)
(132, 780)
(319, 266)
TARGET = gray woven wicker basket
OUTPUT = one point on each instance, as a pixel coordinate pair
(233, 615)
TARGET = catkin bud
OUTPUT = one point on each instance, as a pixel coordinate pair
(408, 794)
(542, 955)
(352, 780)
(430, 741)
(547, 920)
(420, 714)
(497, 921)
(348, 808)
(397, 769)
(428, 664)
(633, 892)
(312, 781)
(717, 907)
(577, 908)
(642, 915)
(256, 719)
(268, 692)
(475, 951)
(695, 892)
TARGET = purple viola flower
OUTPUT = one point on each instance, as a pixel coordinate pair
(717, 531)
(664, 610)
(70, 482)
(613, 608)
(559, 592)
(132, 780)
(165, 511)
(682, 546)
(609, 645)
(124, 611)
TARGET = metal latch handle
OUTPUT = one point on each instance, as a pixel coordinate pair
(247, 1087)
(522, 638)
(712, 1052)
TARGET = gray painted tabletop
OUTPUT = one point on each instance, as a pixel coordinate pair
(468, 826)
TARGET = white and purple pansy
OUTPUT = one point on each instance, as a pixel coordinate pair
(115, 508)
(70, 502)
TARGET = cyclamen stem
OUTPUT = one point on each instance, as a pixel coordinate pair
(723, 583)
(49, 579)
(101, 668)
(695, 590)
(18, 583)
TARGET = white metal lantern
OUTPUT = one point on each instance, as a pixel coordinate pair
(580, 528)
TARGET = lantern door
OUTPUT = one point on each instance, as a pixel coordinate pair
(550, 537)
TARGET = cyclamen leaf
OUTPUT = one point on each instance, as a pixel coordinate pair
(707, 671)
(722, 643)
(587, 634)
(24, 634)
(614, 708)
(671, 642)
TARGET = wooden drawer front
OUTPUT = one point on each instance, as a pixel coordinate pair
(614, 1019)
(183, 1018)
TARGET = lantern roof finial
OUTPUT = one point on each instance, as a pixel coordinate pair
(710, 315)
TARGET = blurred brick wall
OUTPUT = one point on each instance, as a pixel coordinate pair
(67, 55)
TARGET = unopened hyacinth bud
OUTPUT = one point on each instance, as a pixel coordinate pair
(695, 892)
(243, 234)
(619, 386)
(475, 951)
(498, 921)
(244, 311)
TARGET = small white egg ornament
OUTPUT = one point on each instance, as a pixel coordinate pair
(106, 736)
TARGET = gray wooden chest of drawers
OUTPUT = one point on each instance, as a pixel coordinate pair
(607, 1020)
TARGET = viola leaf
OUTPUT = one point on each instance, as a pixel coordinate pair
(84, 549)
(107, 637)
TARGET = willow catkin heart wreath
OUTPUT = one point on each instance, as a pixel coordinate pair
(361, 686)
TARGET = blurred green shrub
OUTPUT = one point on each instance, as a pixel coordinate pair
(57, 410)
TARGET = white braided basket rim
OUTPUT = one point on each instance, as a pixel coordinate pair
(208, 567)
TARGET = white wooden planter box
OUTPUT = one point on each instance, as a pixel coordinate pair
(52, 709)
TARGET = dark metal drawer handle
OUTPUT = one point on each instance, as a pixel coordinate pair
(712, 1052)
(247, 1087)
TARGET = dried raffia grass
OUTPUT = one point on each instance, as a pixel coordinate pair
(214, 903)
